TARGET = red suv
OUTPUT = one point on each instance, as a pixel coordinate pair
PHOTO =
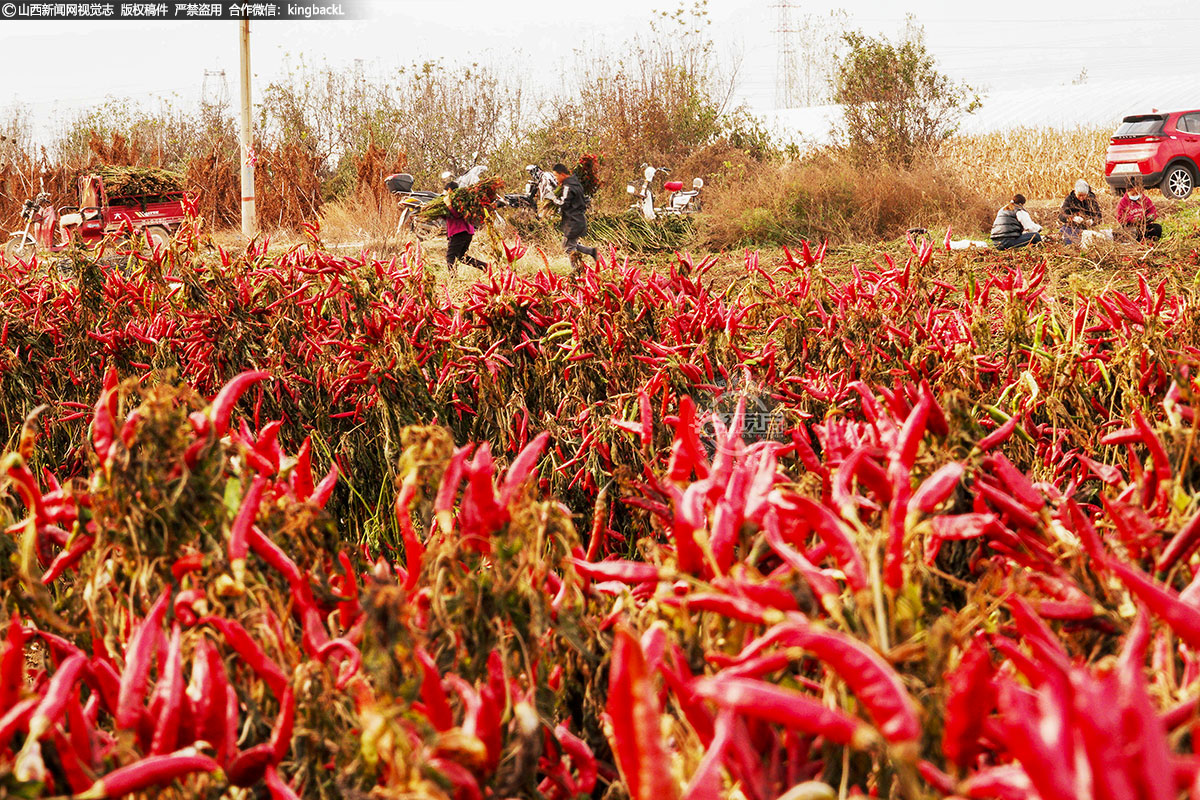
(1163, 149)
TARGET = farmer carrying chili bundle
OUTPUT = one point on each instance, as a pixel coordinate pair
(573, 206)
(459, 233)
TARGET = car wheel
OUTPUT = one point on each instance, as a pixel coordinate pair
(1178, 183)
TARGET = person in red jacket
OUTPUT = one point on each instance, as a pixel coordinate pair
(1136, 213)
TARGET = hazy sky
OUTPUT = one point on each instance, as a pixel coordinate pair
(56, 68)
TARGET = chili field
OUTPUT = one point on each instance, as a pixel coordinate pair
(281, 523)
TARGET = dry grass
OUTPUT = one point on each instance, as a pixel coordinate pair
(823, 197)
(1037, 162)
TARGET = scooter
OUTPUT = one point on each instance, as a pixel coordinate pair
(681, 202)
(644, 194)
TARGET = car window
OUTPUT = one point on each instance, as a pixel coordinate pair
(1140, 126)
(1189, 123)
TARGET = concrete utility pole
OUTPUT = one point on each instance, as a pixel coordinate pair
(249, 223)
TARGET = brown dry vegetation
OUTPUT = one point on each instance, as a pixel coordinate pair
(824, 197)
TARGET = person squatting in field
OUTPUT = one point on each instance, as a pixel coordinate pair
(1136, 213)
(574, 220)
(1014, 227)
(459, 233)
(1080, 212)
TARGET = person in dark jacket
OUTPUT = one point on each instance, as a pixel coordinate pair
(1014, 227)
(459, 233)
(1080, 211)
(574, 221)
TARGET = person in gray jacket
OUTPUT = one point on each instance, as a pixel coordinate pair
(573, 206)
(1014, 227)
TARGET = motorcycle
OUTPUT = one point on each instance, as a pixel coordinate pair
(45, 226)
(539, 186)
(410, 202)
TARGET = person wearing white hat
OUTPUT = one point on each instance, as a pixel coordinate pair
(1080, 212)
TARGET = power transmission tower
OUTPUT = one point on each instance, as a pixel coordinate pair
(214, 92)
(789, 88)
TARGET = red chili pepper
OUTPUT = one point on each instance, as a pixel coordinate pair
(301, 477)
(414, 549)
(150, 771)
(12, 663)
(437, 707)
(631, 572)
(69, 760)
(835, 536)
(166, 728)
(104, 419)
(349, 668)
(281, 734)
(56, 697)
(936, 489)
(1014, 481)
(82, 733)
(970, 698)
(761, 700)
(1181, 546)
(522, 467)
(239, 532)
(581, 756)
(274, 555)
(998, 436)
(1077, 521)
(192, 562)
(226, 399)
(739, 608)
(277, 787)
(67, 559)
(873, 681)
(636, 739)
(465, 785)
(17, 719)
(139, 653)
(250, 651)
(1163, 603)
(321, 494)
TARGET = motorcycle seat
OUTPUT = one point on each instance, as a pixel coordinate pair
(673, 186)
(424, 197)
(68, 220)
(399, 183)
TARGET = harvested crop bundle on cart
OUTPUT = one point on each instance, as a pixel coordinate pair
(120, 181)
